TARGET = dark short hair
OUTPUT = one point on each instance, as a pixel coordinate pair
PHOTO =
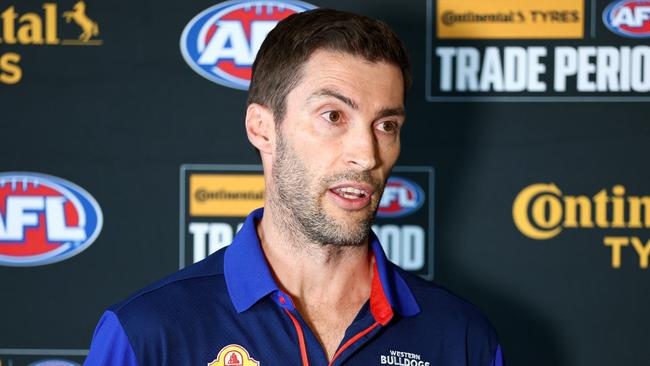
(278, 66)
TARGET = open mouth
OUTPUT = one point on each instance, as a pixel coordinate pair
(351, 193)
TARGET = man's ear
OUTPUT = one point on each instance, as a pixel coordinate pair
(260, 127)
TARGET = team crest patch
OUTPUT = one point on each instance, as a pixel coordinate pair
(234, 355)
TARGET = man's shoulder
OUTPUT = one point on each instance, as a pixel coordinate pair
(166, 313)
(194, 283)
(444, 307)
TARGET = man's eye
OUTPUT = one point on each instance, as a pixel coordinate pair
(388, 126)
(332, 116)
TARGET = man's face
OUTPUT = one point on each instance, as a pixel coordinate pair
(336, 146)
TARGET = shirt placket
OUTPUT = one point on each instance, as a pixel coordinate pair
(362, 330)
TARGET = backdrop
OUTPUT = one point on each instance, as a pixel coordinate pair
(523, 184)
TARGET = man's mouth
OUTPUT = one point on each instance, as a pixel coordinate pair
(351, 193)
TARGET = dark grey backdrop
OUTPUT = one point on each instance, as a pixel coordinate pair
(119, 120)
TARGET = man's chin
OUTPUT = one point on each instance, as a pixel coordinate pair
(354, 217)
(349, 231)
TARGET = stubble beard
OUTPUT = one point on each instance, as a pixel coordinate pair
(300, 205)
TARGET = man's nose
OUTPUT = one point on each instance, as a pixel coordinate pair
(361, 149)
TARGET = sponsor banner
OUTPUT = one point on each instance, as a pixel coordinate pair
(48, 24)
(44, 219)
(509, 19)
(215, 199)
(542, 211)
(537, 51)
(225, 195)
(221, 42)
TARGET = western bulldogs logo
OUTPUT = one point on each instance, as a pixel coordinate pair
(221, 42)
(44, 219)
(401, 197)
(628, 18)
(234, 355)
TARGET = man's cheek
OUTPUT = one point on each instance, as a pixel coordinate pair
(390, 155)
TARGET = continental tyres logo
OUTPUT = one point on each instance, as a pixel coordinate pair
(508, 19)
(47, 25)
(225, 195)
(541, 211)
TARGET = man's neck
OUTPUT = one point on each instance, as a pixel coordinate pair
(327, 284)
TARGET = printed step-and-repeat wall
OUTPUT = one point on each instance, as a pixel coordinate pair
(523, 184)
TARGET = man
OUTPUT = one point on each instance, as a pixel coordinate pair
(305, 282)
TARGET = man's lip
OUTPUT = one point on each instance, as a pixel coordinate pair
(356, 185)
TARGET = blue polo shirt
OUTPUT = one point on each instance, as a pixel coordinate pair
(227, 310)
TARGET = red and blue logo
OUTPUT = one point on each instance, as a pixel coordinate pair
(401, 197)
(44, 219)
(628, 18)
(221, 42)
(57, 362)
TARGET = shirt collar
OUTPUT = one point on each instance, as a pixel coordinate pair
(248, 276)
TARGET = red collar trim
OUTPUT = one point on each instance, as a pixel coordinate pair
(379, 304)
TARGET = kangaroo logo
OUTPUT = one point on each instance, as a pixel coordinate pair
(78, 15)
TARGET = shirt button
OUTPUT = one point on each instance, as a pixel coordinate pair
(282, 300)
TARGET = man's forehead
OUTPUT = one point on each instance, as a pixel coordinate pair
(322, 59)
(348, 77)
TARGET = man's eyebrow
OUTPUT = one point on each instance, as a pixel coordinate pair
(391, 112)
(325, 92)
(386, 112)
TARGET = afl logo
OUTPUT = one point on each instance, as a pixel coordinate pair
(628, 18)
(401, 197)
(44, 219)
(221, 42)
(53, 363)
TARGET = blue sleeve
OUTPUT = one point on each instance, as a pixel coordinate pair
(498, 357)
(110, 345)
